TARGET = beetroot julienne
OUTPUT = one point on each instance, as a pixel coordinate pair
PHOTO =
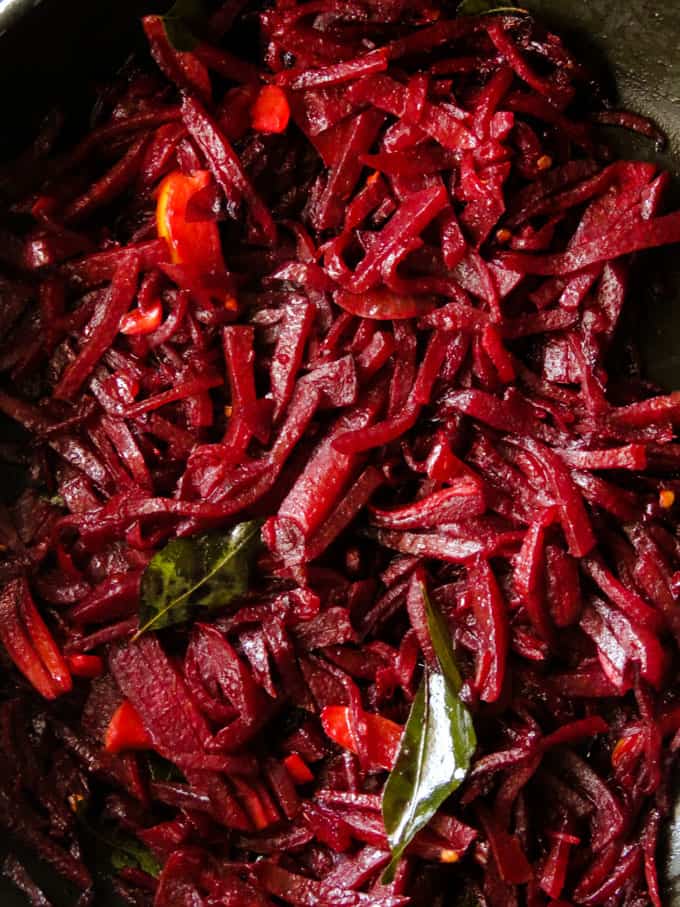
(358, 281)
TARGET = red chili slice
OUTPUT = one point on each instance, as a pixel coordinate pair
(298, 769)
(271, 111)
(126, 731)
(382, 740)
(139, 322)
(85, 665)
(194, 243)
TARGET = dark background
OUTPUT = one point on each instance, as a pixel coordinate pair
(51, 48)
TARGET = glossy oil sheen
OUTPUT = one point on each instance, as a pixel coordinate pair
(50, 49)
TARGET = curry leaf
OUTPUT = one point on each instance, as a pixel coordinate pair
(127, 853)
(206, 571)
(161, 769)
(56, 500)
(464, 740)
(485, 8)
(182, 21)
(112, 850)
(435, 750)
(440, 636)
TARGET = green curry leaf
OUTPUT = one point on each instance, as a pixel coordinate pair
(161, 769)
(441, 643)
(435, 750)
(205, 571)
(127, 853)
(112, 850)
(485, 8)
(183, 21)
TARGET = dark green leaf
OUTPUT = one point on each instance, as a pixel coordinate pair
(435, 751)
(183, 21)
(441, 643)
(56, 500)
(162, 769)
(206, 571)
(485, 8)
(129, 853)
(112, 850)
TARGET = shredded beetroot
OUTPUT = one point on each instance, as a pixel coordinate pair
(357, 274)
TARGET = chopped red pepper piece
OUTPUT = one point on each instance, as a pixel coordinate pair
(195, 243)
(666, 498)
(298, 769)
(271, 111)
(126, 731)
(85, 665)
(139, 322)
(382, 738)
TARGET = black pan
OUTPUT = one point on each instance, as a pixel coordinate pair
(54, 49)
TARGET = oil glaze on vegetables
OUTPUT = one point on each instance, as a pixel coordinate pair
(344, 567)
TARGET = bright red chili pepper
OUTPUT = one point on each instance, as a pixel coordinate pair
(126, 731)
(138, 322)
(195, 243)
(383, 735)
(298, 769)
(666, 498)
(271, 111)
(85, 665)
